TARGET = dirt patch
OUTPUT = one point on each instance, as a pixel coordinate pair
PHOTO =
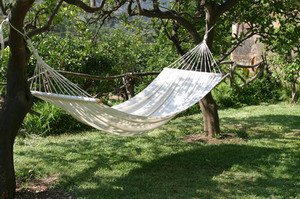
(41, 189)
(223, 138)
(48, 194)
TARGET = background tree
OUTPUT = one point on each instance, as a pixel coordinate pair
(18, 99)
(286, 43)
(187, 22)
(190, 15)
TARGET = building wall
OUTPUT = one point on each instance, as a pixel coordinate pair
(250, 51)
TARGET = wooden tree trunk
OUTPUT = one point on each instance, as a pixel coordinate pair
(18, 99)
(93, 3)
(128, 83)
(294, 92)
(211, 122)
(11, 117)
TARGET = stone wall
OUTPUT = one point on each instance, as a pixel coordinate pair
(250, 51)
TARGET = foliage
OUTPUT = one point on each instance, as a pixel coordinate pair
(163, 165)
(3, 64)
(287, 72)
(286, 43)
(51, 120)
(137, 44)
(113, 51)
(264, 90)
(279, 31)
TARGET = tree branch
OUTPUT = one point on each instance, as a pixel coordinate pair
(228, 4)
(249, 66)
(100, 78)
(237, 44)
(129, 8)
(38, 13)
(168, 14)
(260, 66)
(47, 26)
(85, 7)
(155, 5)
(3, 8)
(213, 12)
(139, 5)
(258, 75)
(174, 37)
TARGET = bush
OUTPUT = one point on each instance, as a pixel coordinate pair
(114, 52)
(286, 71)
(225, 96)
(51, 121)
(263, 90)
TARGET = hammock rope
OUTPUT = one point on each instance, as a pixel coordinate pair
(175, 89)
(178, 87)
(46, 79)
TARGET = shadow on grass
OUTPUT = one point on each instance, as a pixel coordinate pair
(188, 174)
(284, 123)
(193, 173)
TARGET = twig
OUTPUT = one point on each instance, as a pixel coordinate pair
(95, 77)
(47, 26)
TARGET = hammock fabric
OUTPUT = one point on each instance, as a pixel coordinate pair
(174, 90)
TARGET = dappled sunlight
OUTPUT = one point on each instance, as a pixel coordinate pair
(284, 124)
(188, 174)
(162, 165)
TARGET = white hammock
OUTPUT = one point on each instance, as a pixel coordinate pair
(174, 90)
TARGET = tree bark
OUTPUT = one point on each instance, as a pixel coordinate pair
(213, 12)
(128, 83)
(18, 99)
(294, 92)
(211, 122)
(93, 3)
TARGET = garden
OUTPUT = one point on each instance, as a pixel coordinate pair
(149, 99)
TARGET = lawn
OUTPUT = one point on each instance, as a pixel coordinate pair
(262, 162)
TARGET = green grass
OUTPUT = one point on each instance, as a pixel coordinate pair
(161, 165)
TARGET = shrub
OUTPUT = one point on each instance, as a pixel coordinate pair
(51, 121)
(264, 90)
